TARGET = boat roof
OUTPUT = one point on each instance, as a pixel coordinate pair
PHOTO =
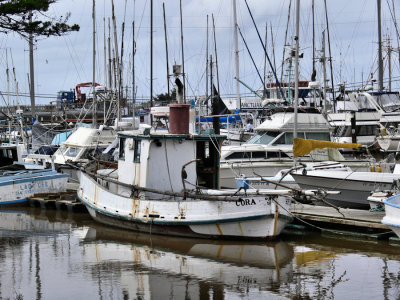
(284, 121)
(165, 135)
(84, 136)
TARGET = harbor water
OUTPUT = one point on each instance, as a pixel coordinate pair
(52, 254)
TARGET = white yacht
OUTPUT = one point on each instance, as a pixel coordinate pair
(370, 112)
(271, 149)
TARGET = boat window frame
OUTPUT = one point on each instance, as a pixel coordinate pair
(137, 150)
(122, 142)
(74, 149)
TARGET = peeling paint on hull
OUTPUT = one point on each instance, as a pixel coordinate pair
(188, 218)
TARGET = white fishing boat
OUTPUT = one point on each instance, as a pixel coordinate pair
(20, 181)
(392, 210)
(168, 183)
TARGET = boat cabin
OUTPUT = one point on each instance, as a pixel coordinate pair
(274, 137)
(9, 154)
(169, 162)
(82, 143)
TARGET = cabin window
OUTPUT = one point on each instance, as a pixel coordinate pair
(321, 136)
(239, 155)
(263, 139)
(122, 149)
(258, 154)
(287, 138)
(72, 152)
(273, 154)
(366, 130)
(136, 157)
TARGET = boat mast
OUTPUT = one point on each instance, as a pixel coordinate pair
(296, 68)
(324, 72)
(166, 46)
(94, 117)
(380, 60)
(207, 70)
(133, 74)
(183, 56)
(105, 67)
(313, 42)
(8, 97)
(216, 55)
(265, 60)
(117, 66)
(330, 56)
(151, 59)
(235, 36)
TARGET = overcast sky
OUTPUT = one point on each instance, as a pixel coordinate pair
(62, 62)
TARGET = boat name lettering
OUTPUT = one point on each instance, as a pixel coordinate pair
(245, 202)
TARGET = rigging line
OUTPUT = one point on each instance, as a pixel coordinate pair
(141, 19)
(255, 66)
(394, 19)
(265, 50)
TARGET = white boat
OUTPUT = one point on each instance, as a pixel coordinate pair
(271, 149)
(354, 187)
(168, 183)
(20, 181)
(284, 179)
(392, 210)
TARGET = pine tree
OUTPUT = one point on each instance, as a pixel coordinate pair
(30, 17)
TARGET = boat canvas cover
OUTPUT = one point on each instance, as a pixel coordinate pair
(303, 147)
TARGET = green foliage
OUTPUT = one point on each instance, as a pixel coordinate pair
(164, 99)
(26, 17)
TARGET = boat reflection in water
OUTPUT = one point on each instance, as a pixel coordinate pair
(198, 264)
(56, 255)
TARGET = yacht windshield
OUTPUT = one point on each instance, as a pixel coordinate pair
(263, 139)
(72, 152)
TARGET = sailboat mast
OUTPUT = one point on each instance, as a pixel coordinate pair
(94, 117)
(296, 68)
(117, 66)
(133, 75)
(183, 54)
(215, 52)
(151, 59)
(166, 47)
(313, 39)
(380, 60)
(235, 36)
(207, 61)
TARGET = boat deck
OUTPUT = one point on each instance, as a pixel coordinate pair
(349, 219)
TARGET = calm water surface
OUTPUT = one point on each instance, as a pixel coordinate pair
(58, 255)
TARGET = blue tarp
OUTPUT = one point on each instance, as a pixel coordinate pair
(60, 137)
(232, 119)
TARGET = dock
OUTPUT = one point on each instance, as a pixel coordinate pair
(63, 201)
(347, 221)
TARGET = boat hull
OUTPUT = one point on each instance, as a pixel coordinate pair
(389, 143)
(392, 210)
(354, 189)
(16, 188)
(249, 218)
(231, 170)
